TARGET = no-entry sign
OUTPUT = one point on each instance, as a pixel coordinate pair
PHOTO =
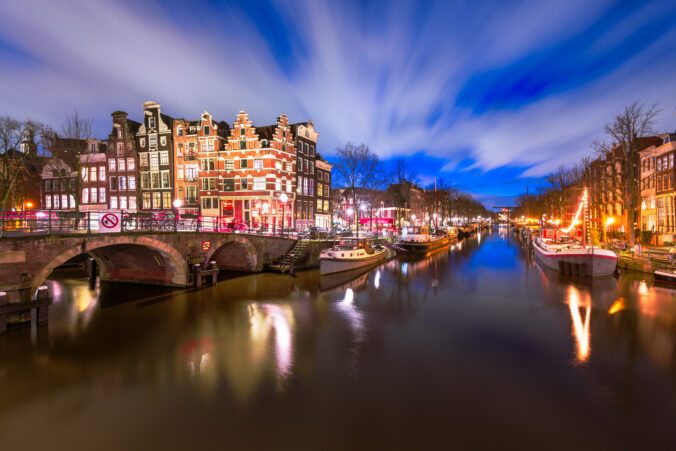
(109, 222)
(206, 245)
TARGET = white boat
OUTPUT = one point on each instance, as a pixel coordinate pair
(419, 240)
(665, 276)
(351, 253)
(558, 251)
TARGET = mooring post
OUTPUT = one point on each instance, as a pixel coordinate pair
(43, 298)
(3, 315)
(291, 264)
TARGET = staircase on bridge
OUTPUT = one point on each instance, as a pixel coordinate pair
(299, 253)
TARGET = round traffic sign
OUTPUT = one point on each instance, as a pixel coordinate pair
(109, 221)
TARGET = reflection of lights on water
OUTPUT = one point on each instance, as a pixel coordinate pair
(349, 297)
(404, 268)
(580, 328)
(265, 318)
(377, 280)
(617, 306)
(642, 288)
(478, 236)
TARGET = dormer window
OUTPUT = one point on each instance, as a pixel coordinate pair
(264, 143)
(207, 129)
(151, 122)
(119, 132)
(179, 131)
(242, 132)
(242, 144)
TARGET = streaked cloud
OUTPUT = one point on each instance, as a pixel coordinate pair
(487, 88)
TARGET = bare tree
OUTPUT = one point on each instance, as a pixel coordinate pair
(19, 142)
(635, 122)
(400, 177)
(357, 168)
(71, 151)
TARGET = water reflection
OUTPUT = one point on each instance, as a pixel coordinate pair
(580, 326)
(272, 322)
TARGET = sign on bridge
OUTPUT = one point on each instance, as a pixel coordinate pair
(109, 222)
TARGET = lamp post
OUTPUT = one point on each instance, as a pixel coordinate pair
(413, 219)
(283, 198)
(362, 207)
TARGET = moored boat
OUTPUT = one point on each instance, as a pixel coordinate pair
(556, 250)
(351, 253)
(665, 276)
(419, 240)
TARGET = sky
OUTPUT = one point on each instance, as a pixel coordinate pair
(490, 96)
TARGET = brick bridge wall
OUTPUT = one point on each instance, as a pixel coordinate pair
(156, 258)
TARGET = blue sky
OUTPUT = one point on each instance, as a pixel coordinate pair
(488, 95)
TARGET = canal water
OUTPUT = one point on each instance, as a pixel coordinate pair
(474, 347)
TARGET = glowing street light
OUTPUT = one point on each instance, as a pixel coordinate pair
(178, 203)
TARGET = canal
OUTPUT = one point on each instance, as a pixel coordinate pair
(473, 347)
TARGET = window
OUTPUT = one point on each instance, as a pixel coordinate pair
(244, 183)
(278, 184)
(242, 144)
(85, 173)
(319, 175)
(113, 183)
(130, 164)
(312, 167)
(229, 165)
(56, 201)
(113, 202)
(151, 121)
(102, 194)
(288, 186)
(192, 194)
(179, 150)
(319, 205)
(258, 163)
(143, 142)
(208, 164)
(299, 188)
(145, 180)
(94, 195)
(119, 132)
(206, 203)
(326, 205)
(123, 203)
(207, 146)
(93, 176)
(165, 179)
(305, 185)
(163, 140)
(111, 164)
(123, 183)
(166, 200)
(243, 163)
(278, 165)
(179, 131)
(120, 148)
(300, 165)
(154, 163)
(164, 158)
(259, 184)
(157, 200)
(132, 203)
(155, 180)
(242, 132)
(179, 172)
(85, 196)
(228, 184)
(191, 172)
(312, 187)
(288, 167)
(144, 159)
(320, 189)
(145, 200)
(102, 173)
(48, 202)
(48, 185)
(207, 130)
(132, 182)
(152, 141)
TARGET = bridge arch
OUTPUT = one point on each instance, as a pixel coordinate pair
(236, 253)
(125, 258)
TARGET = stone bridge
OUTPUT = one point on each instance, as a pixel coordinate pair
(160, 258)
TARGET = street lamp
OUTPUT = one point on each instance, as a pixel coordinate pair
(413, 219)
(435, 221)
(283, 198)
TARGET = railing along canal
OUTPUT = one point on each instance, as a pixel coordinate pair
(48, 222)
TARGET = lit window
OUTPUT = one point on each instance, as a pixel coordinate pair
(113, 202)
(102, 195)
(132, 202)
(130, 164)
(229, 165)
(258, 164)
(123, 202)
(144, 159)
(164, 158)
(102, 173)
(123, 183)
(85, 196)
(94, 197)
(259, 184)
(132, 182)
(93, 175)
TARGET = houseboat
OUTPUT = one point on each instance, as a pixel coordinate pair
(557, 250)
(418, 240)
(352, 253)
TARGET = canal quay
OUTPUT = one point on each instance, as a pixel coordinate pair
(472, 347)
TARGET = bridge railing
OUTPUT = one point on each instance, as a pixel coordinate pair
(46, 222)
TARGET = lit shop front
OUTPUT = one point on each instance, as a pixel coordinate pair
(258, 211)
